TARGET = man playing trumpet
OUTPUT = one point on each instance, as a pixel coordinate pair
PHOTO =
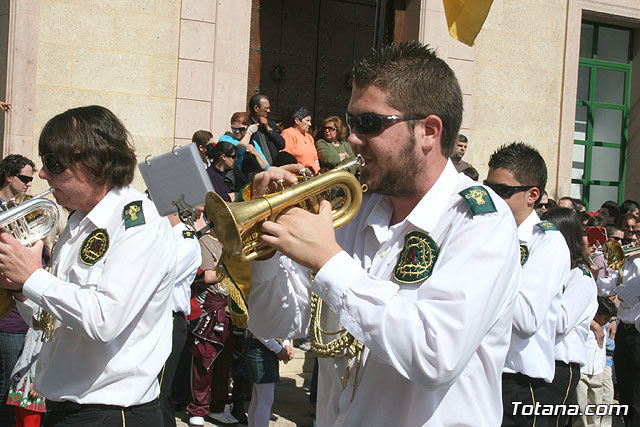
(423, 280)
(111, 279)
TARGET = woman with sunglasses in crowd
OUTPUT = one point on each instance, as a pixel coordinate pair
(332, 144)
(226, 178)
(240, 136)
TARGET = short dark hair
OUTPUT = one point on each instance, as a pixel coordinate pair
(597, 221)
(96, 138)
(569, 224)
(462, 138)
(578, 204)
(471, 172)
(255, 100)
(629, 205)
(523, 161)
(301, 113)
(12, 165)
(612, 207)
(416, 82)
(611, 228)
(201, 137)
(223, 147)
(606, 307)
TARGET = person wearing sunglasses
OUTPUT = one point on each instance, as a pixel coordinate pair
(111, 280)
(420, 285)
(332, 145)
(226, 178)
(627, 223)
(16, 177)
(518, 174)
(240, 136)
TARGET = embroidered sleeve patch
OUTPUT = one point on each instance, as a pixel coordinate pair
(585, 270)
(546, 226)
(478, 200)
(417, 258)
(94, 246)
(188, 234)
(133, 214)
(524, 254)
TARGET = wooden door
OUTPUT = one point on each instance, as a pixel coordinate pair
(302, 53)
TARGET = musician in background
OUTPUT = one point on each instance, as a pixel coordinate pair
(518, 173)
(16, 176)
(112, 278)
(423, 279)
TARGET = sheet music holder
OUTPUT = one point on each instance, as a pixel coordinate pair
(177, 181)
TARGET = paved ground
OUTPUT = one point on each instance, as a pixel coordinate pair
(291, 406)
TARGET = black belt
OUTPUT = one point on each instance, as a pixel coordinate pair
(628, 326)
(68, 406)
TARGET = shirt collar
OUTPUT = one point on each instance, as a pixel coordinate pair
(102, 212)
(426, 214)
(525, 229)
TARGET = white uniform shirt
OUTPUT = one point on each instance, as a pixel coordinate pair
(430, 347)
(628, 292)
(113, 332)
(538, 304)
(189, 259)
(579, 306)
(596, 357)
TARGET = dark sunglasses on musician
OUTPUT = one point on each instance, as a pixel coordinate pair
(505, 191)
(25, 179)
(54, 165)
(372, 123)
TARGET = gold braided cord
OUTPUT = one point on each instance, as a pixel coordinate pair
(345, 345)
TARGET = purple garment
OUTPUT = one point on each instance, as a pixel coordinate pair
(14, 323)
(217, 179)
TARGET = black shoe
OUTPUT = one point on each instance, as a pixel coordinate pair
(238, 412)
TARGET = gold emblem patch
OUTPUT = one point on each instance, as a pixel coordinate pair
(417, 258)
(94, 246)
(524, 254)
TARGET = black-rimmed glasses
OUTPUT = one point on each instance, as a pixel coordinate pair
(372, 123)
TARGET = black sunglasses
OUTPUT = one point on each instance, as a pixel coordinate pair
(53, 164)
(25, 179)
(232, 156)
(506, 191)
(330, 128)
(372, 123)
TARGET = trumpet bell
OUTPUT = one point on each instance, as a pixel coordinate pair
(30, 221)
(237, 225)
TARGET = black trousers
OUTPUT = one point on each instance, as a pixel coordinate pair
(169, 370)
(626, 359)
(69, 414)
(519, 390)
(562, 388)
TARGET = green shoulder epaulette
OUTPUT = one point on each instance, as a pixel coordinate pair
(546, 226)
(133, 215)
(478, 200)
(585, 270)
(188, 234)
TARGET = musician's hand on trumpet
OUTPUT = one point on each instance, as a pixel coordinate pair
(265, 182)
(17, 262)
(307, 238)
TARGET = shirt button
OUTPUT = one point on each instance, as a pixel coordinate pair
(383, 254)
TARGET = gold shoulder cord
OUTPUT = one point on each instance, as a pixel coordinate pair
(345, 345)
(46, 322)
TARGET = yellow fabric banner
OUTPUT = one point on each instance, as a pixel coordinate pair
(465, 18)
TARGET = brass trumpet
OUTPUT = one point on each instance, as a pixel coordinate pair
(615, 255)
(236, 225)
